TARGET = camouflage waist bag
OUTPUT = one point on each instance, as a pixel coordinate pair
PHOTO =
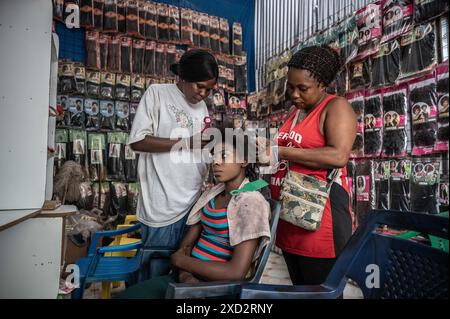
(304, 198)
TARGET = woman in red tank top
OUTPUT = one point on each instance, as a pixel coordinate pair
(319, 142)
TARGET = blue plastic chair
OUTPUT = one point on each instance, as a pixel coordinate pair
(407, 269)
(98, 267)
(227, 289)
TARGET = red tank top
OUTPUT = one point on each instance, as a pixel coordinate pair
(290, 238)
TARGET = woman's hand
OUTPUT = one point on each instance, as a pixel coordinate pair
(265, 152)
(187, 278)
(177, 257)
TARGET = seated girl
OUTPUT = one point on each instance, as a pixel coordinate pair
(227, 232)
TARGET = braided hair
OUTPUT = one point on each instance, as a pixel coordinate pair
(322, 61)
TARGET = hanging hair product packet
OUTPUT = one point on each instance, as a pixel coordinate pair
(425, 10)
(122, 116)
(224, 36)
(395, 137)
(108, 83)
(133, 196)
(356, 100)
(113, 57)
(123, 83)
(196, 28)
(137, 87)
(80, 78)
(62, 103)
(219, 101)
(423, 101)
(400, 173)
(107, 116)
(116, 155)
(66, 75)
(174, 24)
(119, 200)
(369, 21)
(121, 16)
(214, 24)
(373, 124)
(126, 44)
(443, 107)
(151, 27)
(443, 193)
(143, 8)
(160, 59)
(240, 75)
(149, 58)
(351, 178)
(348, 40)
(132, 18)
(86, 13)
(133, 109)
(205, 42)
(110, 22)
(97, 156)
(359, 74)
(186, 26)
(418, 50)
(75, 114)
(382, 191)
(86, 200)
(92, 50)
(397, 18)
(102, 198)
(92, 109)
(138, 56)
(171, 58)
(424, 185)
(58, 10)
(386, 64)
(98, 14)
(78, 147)
(163, 22)
(365, 189)
(131, 162)
(103, 41)
(93, 83)
(237, 39)
(61, 148)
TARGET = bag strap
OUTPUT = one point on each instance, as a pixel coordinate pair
(294, 122)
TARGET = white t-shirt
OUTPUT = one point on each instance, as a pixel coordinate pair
(167, 189)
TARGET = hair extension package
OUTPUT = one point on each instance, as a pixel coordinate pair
(97, 156)
(382, 191)
(108, 83)
(92, 109)
(92, 50)
(119, 200)
(98, 14)
(443, 193)
(75, 114)
(205, 42)
(107, 116)
(163, 22)
(93, 83)
(418, 50)
(351, 177)
(126, 44)
(356, 100)
(80, 78)
(121, 16)
(131, 163)
(214, 24)
(116, 155)
(237, 39)
(386, 64)
(113, 58)
(224, 36)
(123, 83)
(66, 75)
(122, 116)
(58, 9)
(348, 40)
(365, 188)
(395, 136)
(423, 101)
(132, 18)
(61, 148)
(425, 10)
(186, 26)
(77, 147)
(86, 200)
(62, 103)
(373, 124)
(149, 58)
(443, 107)
(103, 41)
(174, 24)
(151, 26)
(133, 195)
(424, 185)
(240, 74)
(138, 56)
(102, 197)
(196, 29)
(160, 59)
(86, 13)
(137, 87)
(359, 74)
(397, 18)
(369, 24)
(400, 174)
(110, 22)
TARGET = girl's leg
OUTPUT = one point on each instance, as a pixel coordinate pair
(154, 288)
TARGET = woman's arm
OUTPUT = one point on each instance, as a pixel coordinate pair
(340, 134)
(233, 270)
(191, 236)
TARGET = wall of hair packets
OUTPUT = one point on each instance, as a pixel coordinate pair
(130, 45)
(395, 76)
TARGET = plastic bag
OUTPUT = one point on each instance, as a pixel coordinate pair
(132, 18)
(131, 163)
(237, 39)
(423, 101)
(424, 186)
(93, 83)
(125, 54)
(149, 58)
(113, 57)
(359, 74)
(365, 189)
(133, 195)
(382, 191)
(116, 155)
(163, 22)
(97, 156)
(66, 75)
(356, 100)
(119, 200)
(92, 50)
(80, 78)
(214, 27)
(107, 116)
(86, 13)
(61, 148)
(397, 18)
(204, 31)
(137, 87)
(122, 116)
(373, 125)
(443, 119)
(91, 109)
(418, 52)
(386, 64)
(160, 59)
(110, 16)
(395, 137)
(121, 16)
(151, 28)
(138, 56)
(425, 10)
(369, 24)
(174, 24)
(224, 36)
(186, 26)
(123, 84)
(75, 114)
(108, 83)
(77, 147)
(400, 173)
(62, 103)
(98, 14)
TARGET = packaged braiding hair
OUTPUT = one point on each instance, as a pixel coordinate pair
(174, 24)
(386, 64)
(171, 58)
(80, 78)
(382, 192)
(107, 115)
(218, 102)
(97, 156)
(86, 200)
(356, 100)
(92, 50)
(66, 75)
(77, 147)
(122, 116)
(443, 193)
(424, 185)
(418, 51)
(369, 24)
(93, 83)
(214, 24)
(224, 36)
(400, 173)
(75, 114)
(395, 137)
(123, 83)
(149, 58)
(98, 14)
(119, 200)
(143, 8)
(348, 40)
(423, 103)
(116, 155)
(151, 27)
(222, 80)
(133, 196)
(205, 42)
(160, 59)
(240, 74)
(132, 18)
(121, 16)
(131, 163)
(186, 26)
(125, 54)
(237, 39)
(196, 28)
(397, 18)
(365, 189)
(107, 86)
(113, 59)
(359, 74)
(163, 22)
(230, 74)
(137, 87)
(373, 124)
(138, 56)
(86, 13)
(102, 197)
(425, 10)
(133, 109)
(92, 109)
(110, 22)
(443, 119)
(351, 177)
(61, 148)
(58, 10)
(62, 103)
(103, 42)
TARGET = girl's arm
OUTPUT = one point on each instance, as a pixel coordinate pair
(191, 236)
(233, 270)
